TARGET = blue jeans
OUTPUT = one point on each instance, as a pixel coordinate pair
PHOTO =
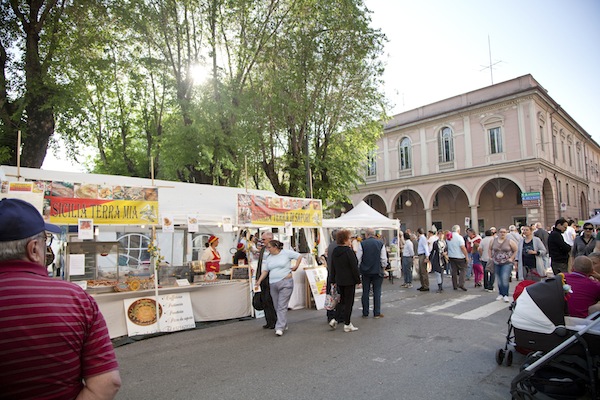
(367, 281)
(407, 267)
(502, 275)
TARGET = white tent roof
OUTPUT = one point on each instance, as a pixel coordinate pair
(362, 216)
(178, 199)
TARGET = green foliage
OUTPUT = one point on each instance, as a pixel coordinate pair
(289, 83)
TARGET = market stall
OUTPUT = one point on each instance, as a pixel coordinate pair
(115, 228)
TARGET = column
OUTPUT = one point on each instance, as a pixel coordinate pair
(428, 219)
(474, 217)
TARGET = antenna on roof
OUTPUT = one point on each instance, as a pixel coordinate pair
(491, 65)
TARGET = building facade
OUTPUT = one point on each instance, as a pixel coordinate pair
(501, 155)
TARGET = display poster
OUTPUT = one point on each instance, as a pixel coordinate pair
(192, 223)
(24, 191)
(174, 310)
(65, 203)
(276, 211)
(167, 223)
(227, 224)
(85, 229)
(76, 264)
(317, 279)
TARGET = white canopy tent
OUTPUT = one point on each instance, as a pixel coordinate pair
(362, 216)
(594, 220)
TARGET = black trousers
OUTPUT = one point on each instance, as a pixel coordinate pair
(344, 307)
(270, 315)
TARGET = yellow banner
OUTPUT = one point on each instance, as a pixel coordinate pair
(67, 211)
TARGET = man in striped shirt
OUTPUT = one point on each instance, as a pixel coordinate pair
(54, 343)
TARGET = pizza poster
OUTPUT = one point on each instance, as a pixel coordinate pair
(261, 210)
(174, 314)
(317, 279)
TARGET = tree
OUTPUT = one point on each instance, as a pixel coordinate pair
(29, 36)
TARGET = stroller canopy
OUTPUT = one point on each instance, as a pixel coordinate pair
(541, 307)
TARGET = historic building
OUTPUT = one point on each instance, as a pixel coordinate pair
(505, 154)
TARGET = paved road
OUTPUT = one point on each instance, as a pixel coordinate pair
(428, 346)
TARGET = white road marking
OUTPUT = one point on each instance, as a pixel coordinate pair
(451, 303)
(483, 311)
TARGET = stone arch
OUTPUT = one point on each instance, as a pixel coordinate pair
(499, 203)
(408, 206)
(449, 205)
(377, 203)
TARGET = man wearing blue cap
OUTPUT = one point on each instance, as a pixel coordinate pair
(54, 341)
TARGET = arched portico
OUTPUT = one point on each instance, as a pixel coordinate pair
(409, 208)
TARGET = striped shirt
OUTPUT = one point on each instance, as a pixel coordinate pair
(52, 335)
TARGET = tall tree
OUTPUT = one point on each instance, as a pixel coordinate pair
(29, 35)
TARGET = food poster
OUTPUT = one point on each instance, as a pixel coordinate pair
(192, 223)
(317, 279)
(85, 229)
(65, 203)
(167, 224)
(175, 314)
(276, 211)
(24, 191)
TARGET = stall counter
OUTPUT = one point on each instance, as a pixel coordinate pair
(210, 302)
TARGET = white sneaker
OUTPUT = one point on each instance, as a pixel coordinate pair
(506, 299)
(333, 323)
(500, 297)
(279, 332)
(350, 328)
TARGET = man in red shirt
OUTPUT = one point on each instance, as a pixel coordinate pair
(586, 292)
(54, 341)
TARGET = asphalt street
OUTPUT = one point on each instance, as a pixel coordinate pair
(428, 346)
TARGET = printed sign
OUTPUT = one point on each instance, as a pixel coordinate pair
(317, 279)
(174, 310)
(531, 199)
(276, 211)
(65, 203)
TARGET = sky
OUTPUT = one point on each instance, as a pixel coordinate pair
(438, 49)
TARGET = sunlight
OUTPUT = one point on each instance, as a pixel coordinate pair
(200, 73)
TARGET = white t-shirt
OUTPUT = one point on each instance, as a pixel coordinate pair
(569, 235)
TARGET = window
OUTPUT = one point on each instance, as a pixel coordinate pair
(495, 140)
(554, 148)
(405, 156)
(372, 163)
(559, 192)
(570, 156)
(446, 145)
(436, 201)
(135, 249)
(542, 137)
(568, 195)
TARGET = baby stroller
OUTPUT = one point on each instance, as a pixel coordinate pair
(565, 350)
(506, 353)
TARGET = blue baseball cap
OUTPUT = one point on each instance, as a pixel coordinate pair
(20, 220)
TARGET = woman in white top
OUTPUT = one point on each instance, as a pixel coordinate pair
(278, 267)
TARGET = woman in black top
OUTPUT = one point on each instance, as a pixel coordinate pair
(344, 273)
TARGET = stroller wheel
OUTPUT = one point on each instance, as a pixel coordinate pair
(509, 358)
(499, 356)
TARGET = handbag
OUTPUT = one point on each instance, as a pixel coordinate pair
(332, 298)
(257, 302)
